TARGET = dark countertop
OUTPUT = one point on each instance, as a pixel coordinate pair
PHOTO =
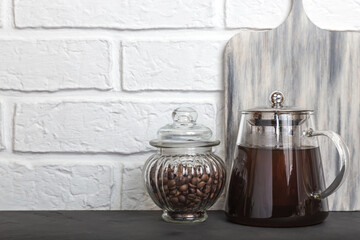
(148, 225)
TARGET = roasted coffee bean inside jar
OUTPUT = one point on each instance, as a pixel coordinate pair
(186, 188)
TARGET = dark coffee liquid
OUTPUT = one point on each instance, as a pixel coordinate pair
(273, 187)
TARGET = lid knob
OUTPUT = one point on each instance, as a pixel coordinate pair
(276, 99)
(184, 115)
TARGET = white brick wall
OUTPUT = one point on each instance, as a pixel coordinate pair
(172, 65)
(54, 185)
(115, 127)
(50, 65)
(85, 84)
(1, 128)
(1, 9)
(125, 14)
(264, 14)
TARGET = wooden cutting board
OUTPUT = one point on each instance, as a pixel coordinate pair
(314, 68)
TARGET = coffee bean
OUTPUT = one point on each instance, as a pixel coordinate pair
(174, 200)
(191, 196)
(171, 183)
(192, 186)
(204, 177)
(171, 175)
(192, 190)
(180, 170)
(195, 180)
(212, 195)
(201, 184)
(179, 181)
(182, 198)
(165, 187)
(177, 193)
(207, 189)
(157, 196)
(199, 193)
(209, 182)
(216, 181)
(183, 187)
(197, 200)
(173, 192)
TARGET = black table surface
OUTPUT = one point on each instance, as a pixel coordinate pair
(148, 225)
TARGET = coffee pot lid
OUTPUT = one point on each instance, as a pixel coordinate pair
(277, 99)
(277, 113)
(184, 131)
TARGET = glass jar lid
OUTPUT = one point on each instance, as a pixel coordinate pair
(184, 131)
(277, 113)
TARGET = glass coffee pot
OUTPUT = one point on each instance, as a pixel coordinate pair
(277, 177)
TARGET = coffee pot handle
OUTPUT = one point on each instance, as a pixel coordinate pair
(344, 158)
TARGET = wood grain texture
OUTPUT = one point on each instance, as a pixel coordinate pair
(314, 68)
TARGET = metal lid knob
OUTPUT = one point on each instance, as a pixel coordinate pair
(276, 99)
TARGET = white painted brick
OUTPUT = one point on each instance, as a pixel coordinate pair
(1, 14)
(56, 185)
(134, 195)
(134, 14)
(123, 127)
(174, 65)
(331, 14)
(50, 65)
(334, 14)
(260, 14)
(2, 146)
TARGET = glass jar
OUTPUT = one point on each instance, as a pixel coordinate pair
(184, 177)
